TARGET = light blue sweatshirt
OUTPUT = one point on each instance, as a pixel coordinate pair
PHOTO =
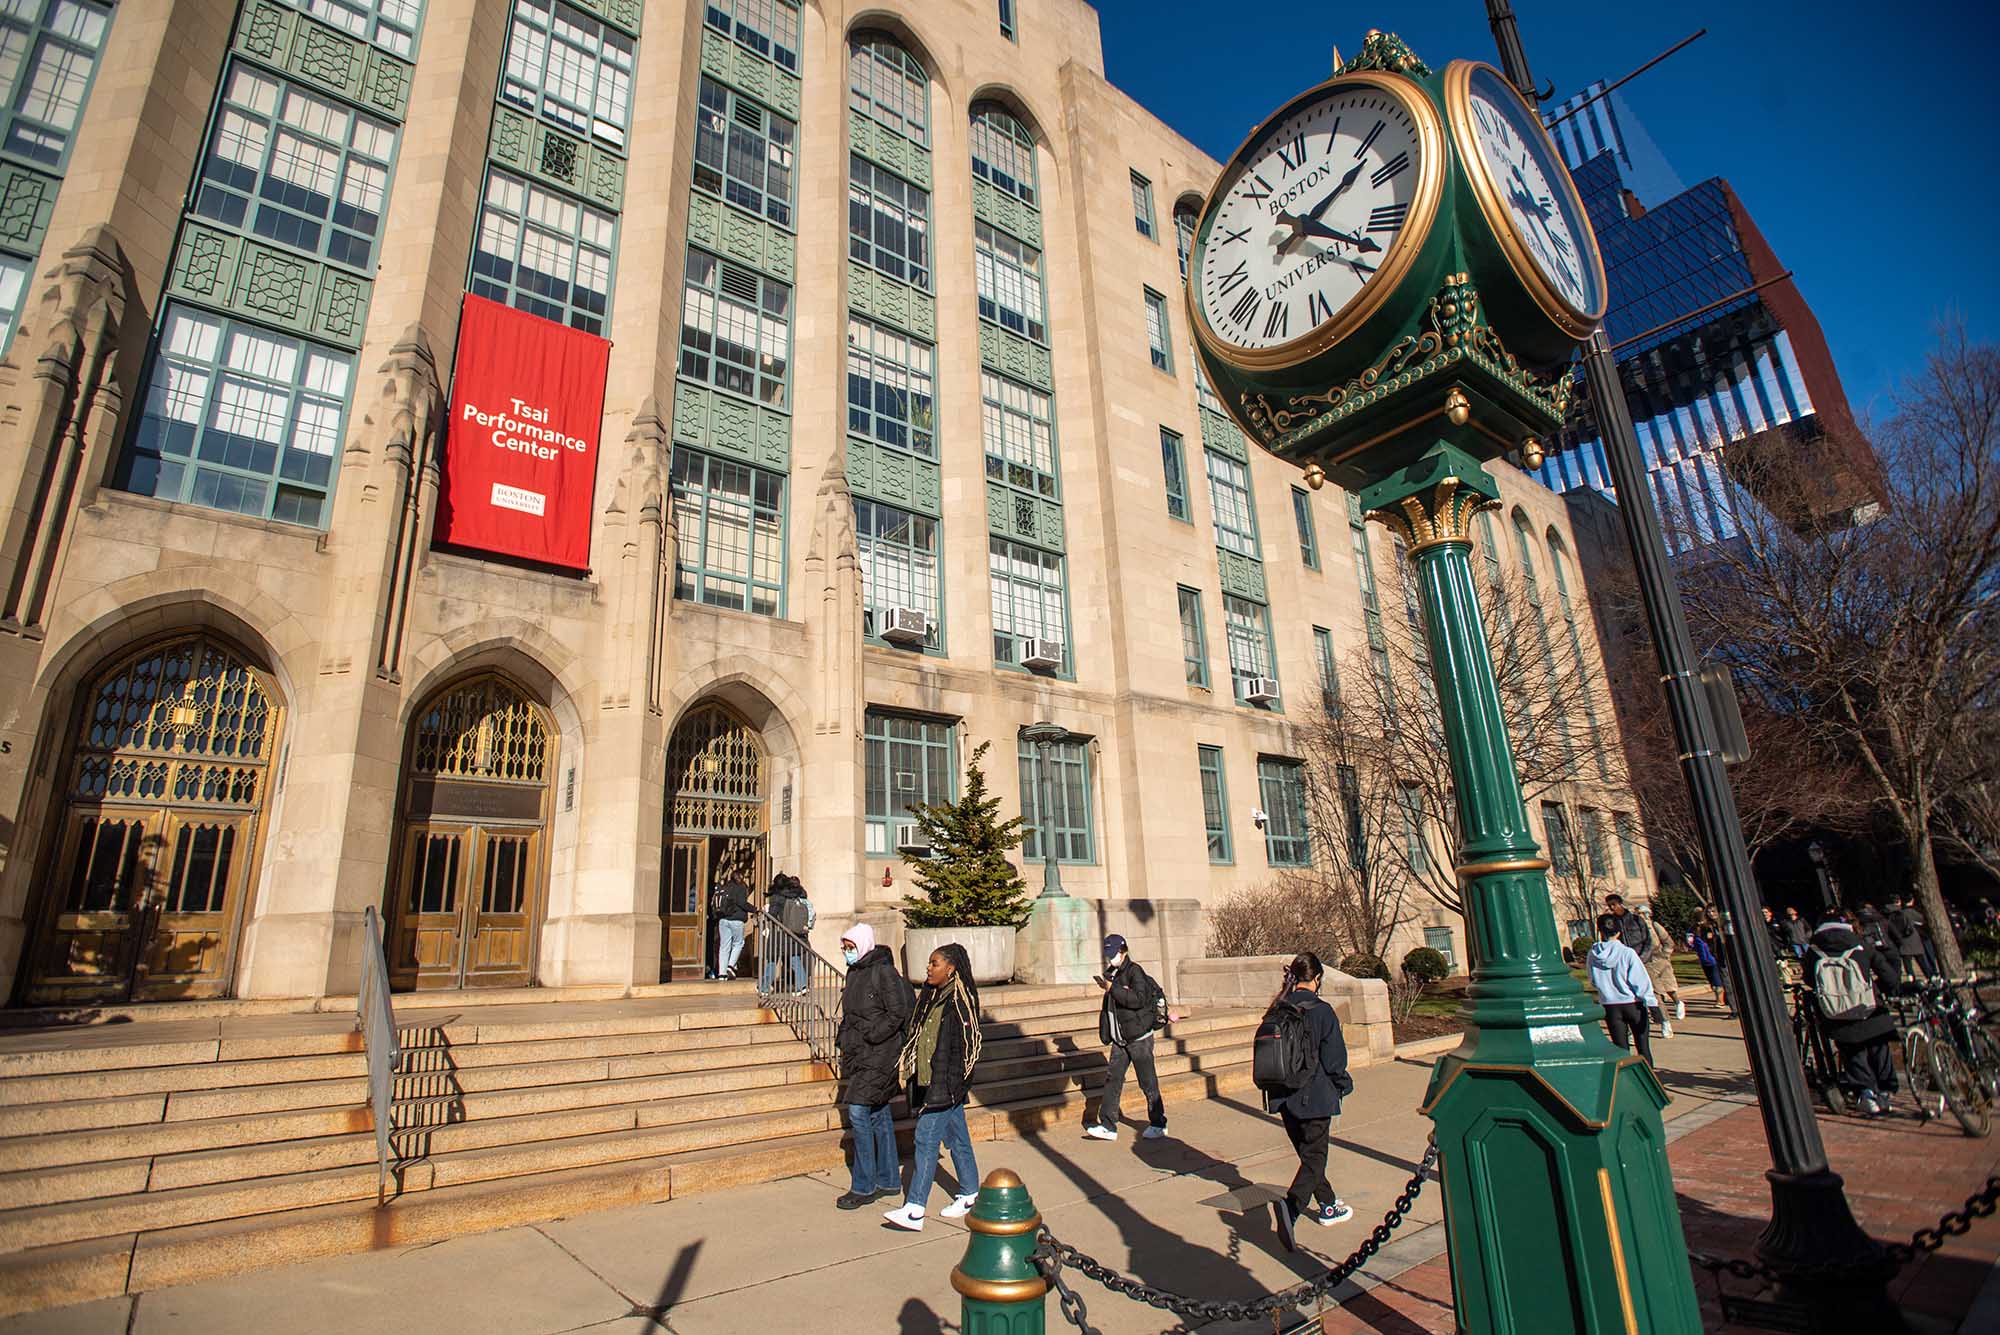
(1619, 976)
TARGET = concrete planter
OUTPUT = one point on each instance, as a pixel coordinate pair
(991, 950)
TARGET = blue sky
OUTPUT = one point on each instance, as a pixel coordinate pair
(1860, 137)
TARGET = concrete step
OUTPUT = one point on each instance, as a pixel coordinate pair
(18, 1153)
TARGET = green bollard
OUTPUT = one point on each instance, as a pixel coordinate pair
(1003, 1292)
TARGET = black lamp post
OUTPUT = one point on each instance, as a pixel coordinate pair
(1044, 736)
(1811, 1224)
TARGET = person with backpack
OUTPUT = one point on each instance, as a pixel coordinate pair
(874, 1007)
(1623, 987)
(729, 904)
(1849, 979)
(1632, 929)
(1299, 1061)
(940, 1048)
(1134, 1006)
(787, 902)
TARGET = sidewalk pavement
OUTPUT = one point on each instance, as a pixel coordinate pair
(778, 1257)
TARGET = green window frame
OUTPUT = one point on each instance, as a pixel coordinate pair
(49, 51)
(571, 69)
(296, 168)
(729, 522)
(1173, 464)
(392, 25)
(13, 294)
(891, 397)
(1410, 800)
(1030, 600)
(888, 223)
(1248, 627)
(1281, 785)
(1003, 152)
(1204, 393)
(1214, 804)
(1593, 842)
(1524, 542)
(1555, 827)
(1559, 563)
(889, 86)
(1017, 427)
(1009, 274)
(746, 153)
(770, 28)
(1371, 601)
(1302, 518)
(540, 251)
(1184, 225)
(736, 330)
(1347, 783)
(1329, 670)
(909, 760)
(1159, 332)
(1439, 939)
(239, 418)
(1627, 842)
(1142, 208)
(1007, 28)
(1231, 506)
(899, 567)
(1194, 636)
(1070, 823)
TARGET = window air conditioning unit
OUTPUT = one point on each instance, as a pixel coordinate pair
(1041, 655)
(1260, 690)
(909, 838)
(905, 625)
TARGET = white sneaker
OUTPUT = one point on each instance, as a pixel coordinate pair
(1154, 1133)
(906, 1216)
(959, 1206)
(1096, 1132)
(1666, 1029)
(1681, 1009)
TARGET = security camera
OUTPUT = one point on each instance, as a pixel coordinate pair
(1257, 815)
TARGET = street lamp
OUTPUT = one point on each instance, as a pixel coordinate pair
(1812, 1228)
(1043, 736)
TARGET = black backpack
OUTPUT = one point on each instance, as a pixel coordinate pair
(1283, 1056)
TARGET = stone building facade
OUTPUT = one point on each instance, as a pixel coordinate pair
(902, 450)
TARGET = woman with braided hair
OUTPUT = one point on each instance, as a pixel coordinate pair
(936, 1067)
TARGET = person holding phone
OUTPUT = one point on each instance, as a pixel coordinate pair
(1134, 1006)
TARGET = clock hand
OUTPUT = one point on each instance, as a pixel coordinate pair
(1310, 227)
(1339, 190)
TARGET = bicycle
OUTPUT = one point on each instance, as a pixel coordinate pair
(1816, 1051)
(1951, 1062)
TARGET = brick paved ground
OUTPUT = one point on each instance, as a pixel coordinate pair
(1901, 1175)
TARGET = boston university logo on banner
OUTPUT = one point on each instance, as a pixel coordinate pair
(520, 461)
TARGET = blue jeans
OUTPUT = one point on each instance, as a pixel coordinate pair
(875, 1165)
(728, 945)
(937, 1128)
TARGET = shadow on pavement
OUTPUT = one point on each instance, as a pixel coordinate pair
(917, 1318)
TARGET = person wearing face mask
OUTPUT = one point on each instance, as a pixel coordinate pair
(874, 1006)
(1133, 1008)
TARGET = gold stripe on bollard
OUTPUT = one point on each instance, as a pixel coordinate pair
(1502, 864)
(1004, 1227)
(998, 1290)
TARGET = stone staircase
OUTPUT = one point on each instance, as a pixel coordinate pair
(197, 1141)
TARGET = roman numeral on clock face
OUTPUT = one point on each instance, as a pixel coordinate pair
(1253, 194)
(1245, 308)
(1293, 155)
(1387, 217)
(1235, 278)
(1228, 237)
(1369, 142)
(1317, 309)
(1275, 322)
(1391, 169)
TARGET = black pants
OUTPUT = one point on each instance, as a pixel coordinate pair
(1867, 1066)
(1627, 1020)
(1138, 1055)
(1308, 1136)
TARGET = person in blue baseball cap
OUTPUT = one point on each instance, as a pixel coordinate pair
(1134, 1006)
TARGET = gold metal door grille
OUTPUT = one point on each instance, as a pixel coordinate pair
(483, 729)
(717, 767)
(187, 723)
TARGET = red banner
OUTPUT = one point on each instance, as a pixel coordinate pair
(520, 462)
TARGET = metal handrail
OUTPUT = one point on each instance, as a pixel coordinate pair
(802, 987)
(376, 1019)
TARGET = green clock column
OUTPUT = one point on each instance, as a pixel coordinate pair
(1559, 1207)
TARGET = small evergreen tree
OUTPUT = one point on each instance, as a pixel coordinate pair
(967, 880)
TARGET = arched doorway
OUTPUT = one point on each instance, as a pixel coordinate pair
(717, 783)
(465, 900)
(164, 785)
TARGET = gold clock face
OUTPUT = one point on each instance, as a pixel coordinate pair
(1526, 194)
(1316, 219)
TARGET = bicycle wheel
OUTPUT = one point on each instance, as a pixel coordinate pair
(1924, 1088)
(1985, 1061)
(1962, 1093)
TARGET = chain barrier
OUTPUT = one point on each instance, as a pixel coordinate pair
(1053, 1256)
(1954, 1224)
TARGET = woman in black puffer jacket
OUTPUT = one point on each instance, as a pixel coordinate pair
(936, 1063)
(874, 1006)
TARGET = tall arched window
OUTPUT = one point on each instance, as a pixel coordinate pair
(1559, 563)
(1003, 152)
(887, 84)
(1184, 221)
(1524, 541)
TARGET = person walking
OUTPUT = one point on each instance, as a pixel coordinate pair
(1660, 968)
(1134, 1006)
(1906, 929)
(1797, 931)
(1632, 929)
(1309, 1109)
(730, 903)
(1850, 978)
(1622, 987)
(935, 1066)
(1774, 932)
(874, 1007)
(1873, 927)
(787, 902)
(1705, 943)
